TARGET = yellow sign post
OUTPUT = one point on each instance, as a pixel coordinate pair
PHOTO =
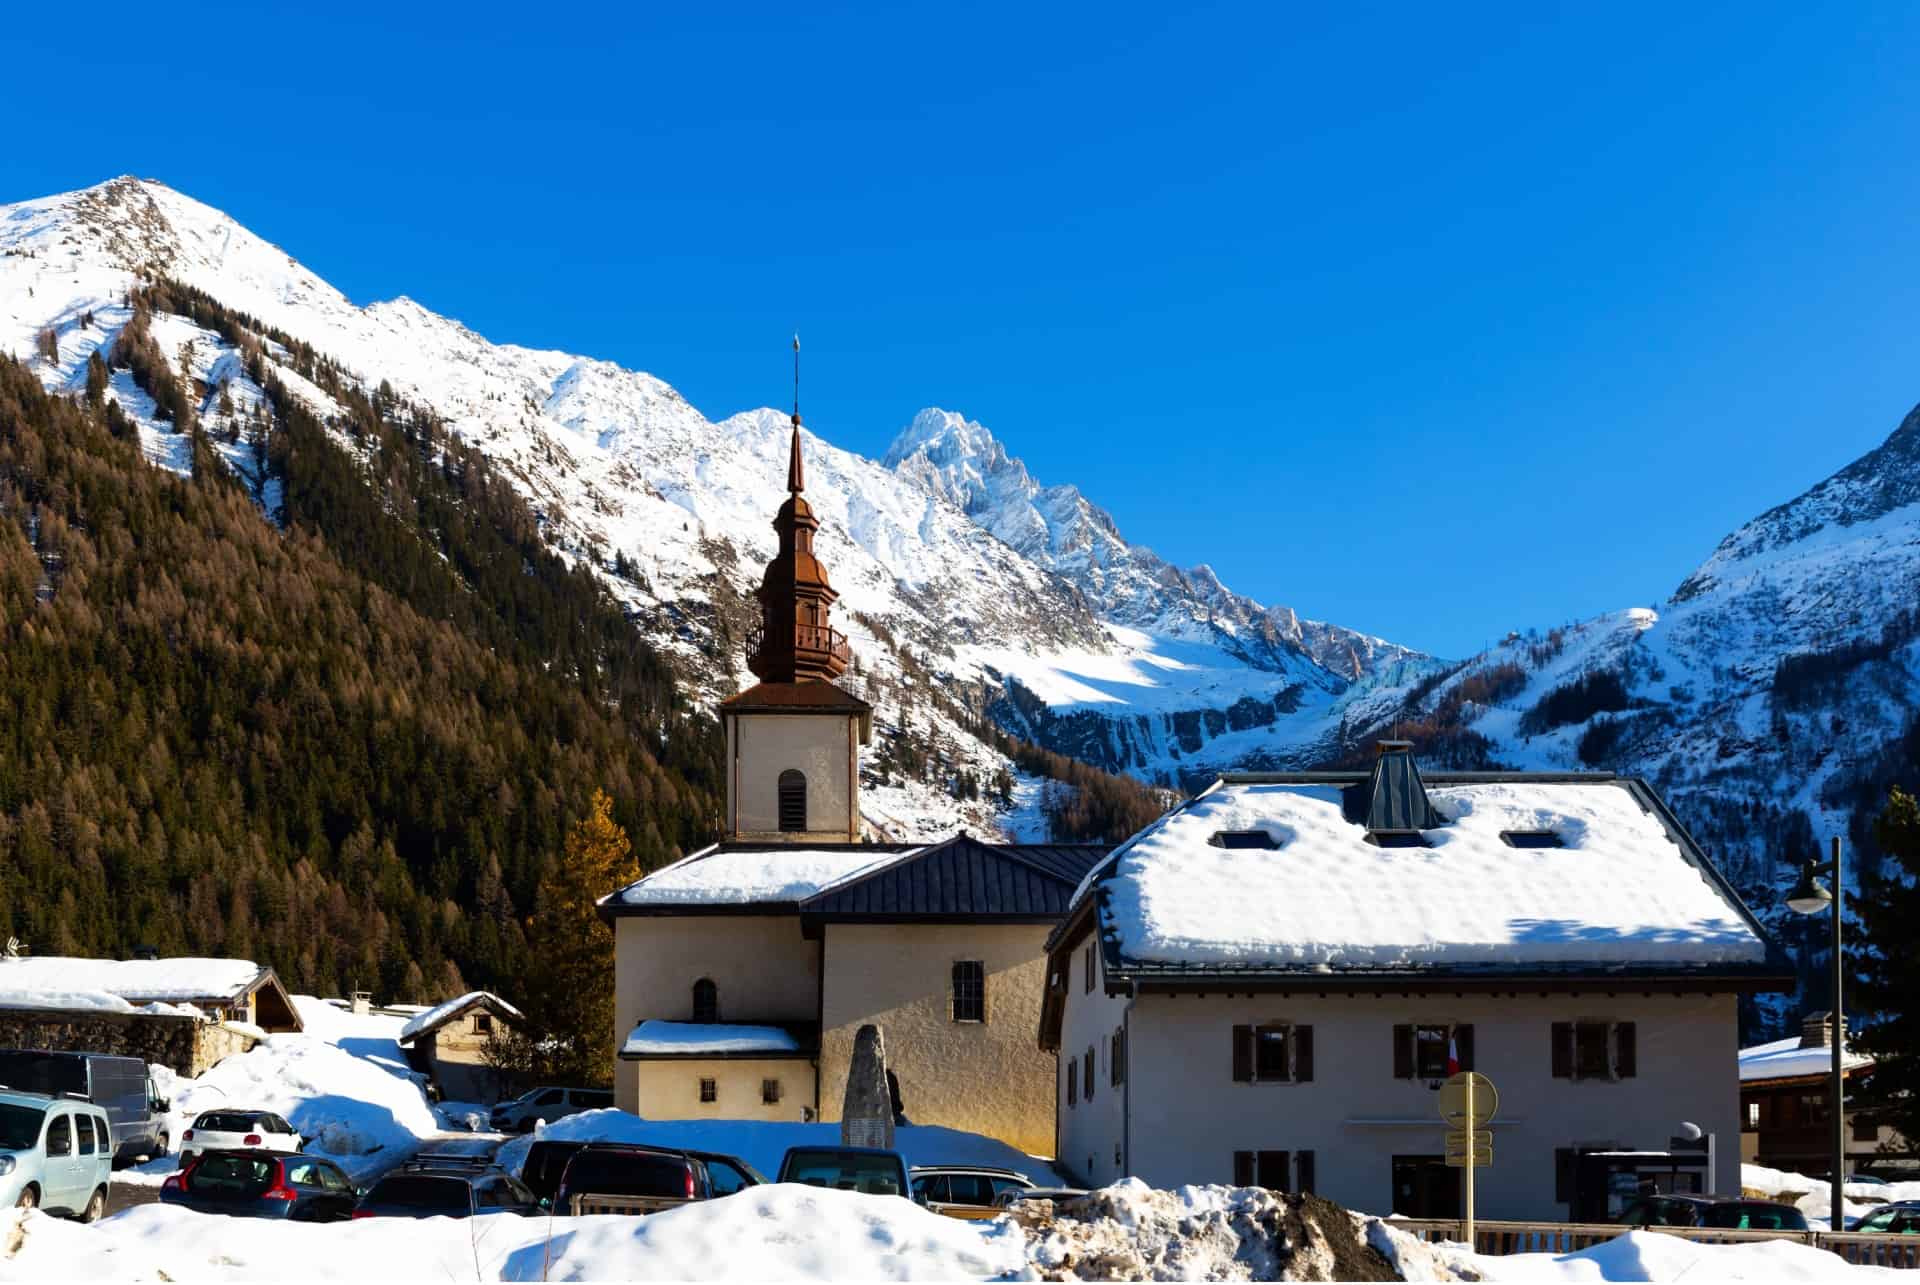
(1468, 1100)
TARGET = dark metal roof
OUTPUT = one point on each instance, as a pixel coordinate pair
(794, 698)
(964, 879)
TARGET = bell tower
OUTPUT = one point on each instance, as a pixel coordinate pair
(794, 737)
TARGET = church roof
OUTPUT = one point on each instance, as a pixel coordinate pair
(963, 879)
(789, 698)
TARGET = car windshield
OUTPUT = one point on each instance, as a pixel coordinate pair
(1746, 1217)
(422, 1191)
(1902, 1220)
(545, 1161)
(20, 1126)
(877, 1174)
(228, 1122)
(626, 1173)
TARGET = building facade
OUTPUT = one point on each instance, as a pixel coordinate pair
(1268, 986)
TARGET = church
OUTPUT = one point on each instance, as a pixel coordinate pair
(744, 971)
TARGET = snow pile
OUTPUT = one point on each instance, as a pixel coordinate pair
(135, 980)
(1814, 1196)
(427, 1019)
(72, 1001)
(1131, 1232)
(788, 1233)
(1784, 1058)
(1631, 1256)
(343, 1084)
(721, 877)
(706, 1037)
(1620, 891)
(763, 1143)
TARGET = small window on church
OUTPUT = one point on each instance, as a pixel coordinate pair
(706, 1001)
(793, 800)
(969, 991)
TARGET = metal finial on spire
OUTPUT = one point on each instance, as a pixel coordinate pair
(796, 479)
(796, 378)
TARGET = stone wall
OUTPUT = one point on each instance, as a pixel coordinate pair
(186, 1045)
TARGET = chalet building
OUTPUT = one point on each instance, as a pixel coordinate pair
(223, 990)
(744, 971)
(1786, 1108)
(1267, 985)
(454, 1044)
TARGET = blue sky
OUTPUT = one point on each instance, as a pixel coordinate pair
(1432, 321)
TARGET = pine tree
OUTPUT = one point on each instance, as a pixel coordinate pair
(1888, 968)
(573, 950)
(96, 380)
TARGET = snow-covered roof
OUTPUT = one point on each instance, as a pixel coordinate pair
(1622, 892)
(432, 1019)
(692, 1039)
(1785, 1059)
(769, 874)
(135, 980)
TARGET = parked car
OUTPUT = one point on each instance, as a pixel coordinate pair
(1007, 1199)
(636, 1179)
(966, 1191)
(262, 1184)
(874, 1170)
(120, 1086)
(55, 1153)
(1731, 1212)
(237, 1131)
(547, 1159)
(446, 1187)
(1897, 1218)
(547, 1103)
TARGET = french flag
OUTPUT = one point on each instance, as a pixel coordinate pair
(1453, 1056)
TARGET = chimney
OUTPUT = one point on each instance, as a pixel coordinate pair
(1393, 800)
(1816, 1031)
(362, 1003)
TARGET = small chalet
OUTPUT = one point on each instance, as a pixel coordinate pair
(452, 1044)
(744, 971)
(1267, 985)
(1786, 1107)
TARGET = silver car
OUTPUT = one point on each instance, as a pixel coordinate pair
(55, 1153)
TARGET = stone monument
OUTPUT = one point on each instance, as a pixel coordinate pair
(866, 1117)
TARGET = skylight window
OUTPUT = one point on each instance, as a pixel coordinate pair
(1243, 839)
(1532, 839)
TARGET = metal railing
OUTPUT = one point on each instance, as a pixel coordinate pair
(812, 638)
(1499, 1238)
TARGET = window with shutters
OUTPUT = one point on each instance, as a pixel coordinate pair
(769, 1092)
(1423, 1052)
(1269, 1169)
(1117, 1057)
(1303, 1172)
(1272, 1053)
(706, 1000)
(1086, 1075)
(709, 1090)
(969, 991)
(1073, 1081)
(1087, 964)
(1595, 1050)
(793, 800)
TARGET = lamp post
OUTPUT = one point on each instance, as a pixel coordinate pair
(1809, 897)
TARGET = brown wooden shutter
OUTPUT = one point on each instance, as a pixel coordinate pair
(1303, 1167)
(1073, 1080)
(1403, 1052)
(1563, 1050)
(1243, 1058)
(1086, 1087)
(1563, 1166)
(1463, 1043)
(1625, 1055)
(1243, 1168)
(1273, 1171)
(1302, 1053)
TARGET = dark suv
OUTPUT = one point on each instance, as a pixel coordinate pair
(446, 1188)
(616, 1178)
(261, 1184)
(548, 1158)
(1730, 1212)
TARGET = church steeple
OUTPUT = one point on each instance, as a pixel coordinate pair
(796, 643)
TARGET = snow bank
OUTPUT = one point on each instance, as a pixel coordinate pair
(1814, 1196)
(788, 1233)
(1631, 1256)
(720, 877)
(343, 1083)
(707, 1037)
(1619, 892)
(431, 1017)
(762, 1143)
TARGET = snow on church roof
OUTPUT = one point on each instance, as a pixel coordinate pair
(762, 874)
(1620, 892)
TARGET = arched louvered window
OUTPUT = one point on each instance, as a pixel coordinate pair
(706, 1001)
(793, 799)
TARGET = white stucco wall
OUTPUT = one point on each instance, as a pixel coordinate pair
(1090, 1131)
(669, 1088)
(823, 746)
(1188, 1116)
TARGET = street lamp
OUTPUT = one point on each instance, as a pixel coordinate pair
(1809, 897)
